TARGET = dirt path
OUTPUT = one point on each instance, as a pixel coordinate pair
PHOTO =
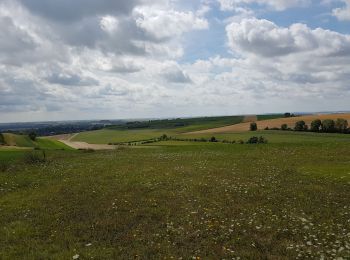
(272, 123)
(83, 145)
(67, 140)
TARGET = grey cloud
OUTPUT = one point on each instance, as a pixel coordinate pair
(174, 74)
(68, 79)
(15, 43)
(68, 10)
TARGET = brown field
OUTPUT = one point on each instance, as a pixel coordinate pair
(273, 123)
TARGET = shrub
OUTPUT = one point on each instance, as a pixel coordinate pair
(213, 139)
(4, 166)
(284, 127)
(300, 126)
(328, 126)
(253, 126)
(253, 140)
(266, 128)
(35, 157)
(257, 140)
(341, 125)
(32, 136)
(2, 139)
(316, 125)
(164, 137)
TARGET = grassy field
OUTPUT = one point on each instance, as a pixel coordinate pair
(288, 199)
(106, 136)
(25, 142)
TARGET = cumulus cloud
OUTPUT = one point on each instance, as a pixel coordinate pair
(264, 38)
(164, 24)
(91, 59)
(343, 13)
(279, 5)
(174, 74)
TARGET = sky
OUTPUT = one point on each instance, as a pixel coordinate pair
(114, 59)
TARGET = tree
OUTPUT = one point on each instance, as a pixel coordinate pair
(253, 126)
(328, 126)
(284, 127)
(316, 125)
(300, 126)
(2, 139)
(289, 114)
(213, 139)
(32, 136)
(341, 125)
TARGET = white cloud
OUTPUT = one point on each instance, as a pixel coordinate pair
(264, 38)
(343, 13)
(230, 5)
(135, 61)
(165, 24)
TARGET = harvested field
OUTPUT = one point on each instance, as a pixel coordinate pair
(273, 123)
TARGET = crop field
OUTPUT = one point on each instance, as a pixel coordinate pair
(106, 136)
(288, 199)
(271, 122)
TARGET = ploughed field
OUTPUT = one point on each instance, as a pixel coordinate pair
(288, 199)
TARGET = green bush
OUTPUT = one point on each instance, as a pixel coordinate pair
(213, 139)
(341, 125)
(316, 125)
(284, 127)
(35, 157)
(328, 126)
(253, 126)
(300, 126)
(32, 136)
(4, 166)
(2, 139)
(257, 140)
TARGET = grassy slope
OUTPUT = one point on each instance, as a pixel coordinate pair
(267, 117)
(211, 201)
(25, 141)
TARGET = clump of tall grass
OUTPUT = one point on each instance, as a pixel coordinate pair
(4, 166)
(36, 156)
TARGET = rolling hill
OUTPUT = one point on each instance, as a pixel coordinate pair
(24, 141)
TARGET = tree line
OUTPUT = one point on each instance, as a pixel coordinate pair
(339, 125)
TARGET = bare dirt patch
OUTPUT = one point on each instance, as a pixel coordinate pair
(273, 123)
(66, 139)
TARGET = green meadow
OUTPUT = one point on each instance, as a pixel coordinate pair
(287, 199)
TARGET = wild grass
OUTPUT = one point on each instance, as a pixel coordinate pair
(203, 201)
